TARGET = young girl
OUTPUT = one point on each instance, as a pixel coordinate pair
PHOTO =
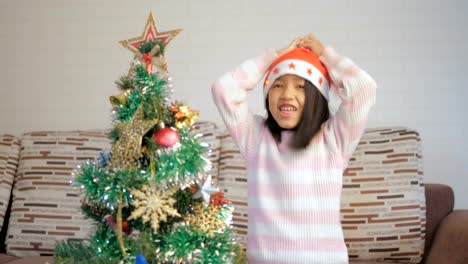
(295, 157)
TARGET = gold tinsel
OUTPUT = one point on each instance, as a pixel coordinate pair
(128, 149)
(153, 205)
(206, 219)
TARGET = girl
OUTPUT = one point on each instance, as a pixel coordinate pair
(295, 157)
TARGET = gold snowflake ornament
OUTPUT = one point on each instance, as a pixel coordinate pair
(153, 205)
(206, 219)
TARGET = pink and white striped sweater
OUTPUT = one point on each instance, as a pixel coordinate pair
(294, 196)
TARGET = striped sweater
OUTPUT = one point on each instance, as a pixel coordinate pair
(294, 196)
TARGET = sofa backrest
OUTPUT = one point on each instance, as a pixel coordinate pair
(9, 153)
(46, 207)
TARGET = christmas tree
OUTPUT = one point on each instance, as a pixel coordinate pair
(151, 195)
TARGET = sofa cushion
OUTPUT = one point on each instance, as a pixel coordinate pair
(383, 204)
(383, 209)
(45, 206)
(233, 181)
(9, 152)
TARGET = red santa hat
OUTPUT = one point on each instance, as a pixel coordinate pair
(303, 63)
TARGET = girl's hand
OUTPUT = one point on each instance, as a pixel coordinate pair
(310, 42)
(294, 44)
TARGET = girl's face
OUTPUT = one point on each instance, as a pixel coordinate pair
(286, 99)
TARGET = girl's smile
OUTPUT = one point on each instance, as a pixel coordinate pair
(286, 99)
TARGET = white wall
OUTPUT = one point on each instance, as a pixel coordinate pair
(60, 58)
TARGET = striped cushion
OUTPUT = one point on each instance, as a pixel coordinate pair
(9, 152)
(383, 205)
(383, 208)
(233, 181)
(45, 206)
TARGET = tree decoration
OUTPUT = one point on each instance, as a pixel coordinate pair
(184, 116)
(153, 206)
(205, 191)
(127, 149)
(218, 199)
(118, 100)
(151, 33)
(112, 222)
(206, 219)
(166, 137)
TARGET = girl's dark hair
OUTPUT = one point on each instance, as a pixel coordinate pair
(315, 112)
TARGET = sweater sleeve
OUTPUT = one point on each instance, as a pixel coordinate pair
(230, 96)
(357, 91)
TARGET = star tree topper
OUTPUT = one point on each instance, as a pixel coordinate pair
(150, 33)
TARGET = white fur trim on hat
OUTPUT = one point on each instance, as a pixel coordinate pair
(300, 68)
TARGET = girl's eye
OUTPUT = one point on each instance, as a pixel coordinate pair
(300, 86)
(277, 85)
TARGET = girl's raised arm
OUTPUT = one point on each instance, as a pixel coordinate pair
(357, 91)
(229, 94)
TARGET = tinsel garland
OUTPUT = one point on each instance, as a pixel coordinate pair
(187, 245)
(125, 82)
(102, 247)
(153, 93)
(94, 211)
(183, 245)
(183, 166)
(105, 186)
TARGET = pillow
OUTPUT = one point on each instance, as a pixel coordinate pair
(45, 206)
(233, 182)
(383, 209)
(9, 152)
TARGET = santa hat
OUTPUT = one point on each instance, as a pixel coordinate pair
(303, 63)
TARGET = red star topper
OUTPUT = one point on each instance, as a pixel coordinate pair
(150, 33)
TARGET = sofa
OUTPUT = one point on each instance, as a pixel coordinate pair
(388, 213)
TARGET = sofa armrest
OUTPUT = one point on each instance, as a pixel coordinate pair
(450, 240)
(440, 200)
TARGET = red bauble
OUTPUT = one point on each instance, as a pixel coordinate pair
(166, 137)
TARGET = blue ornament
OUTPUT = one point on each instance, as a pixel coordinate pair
(140, 259)
(103, 159)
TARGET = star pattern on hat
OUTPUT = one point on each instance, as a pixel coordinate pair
(309, 71)
(292, 66)
(275, 70)
(320, 80)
